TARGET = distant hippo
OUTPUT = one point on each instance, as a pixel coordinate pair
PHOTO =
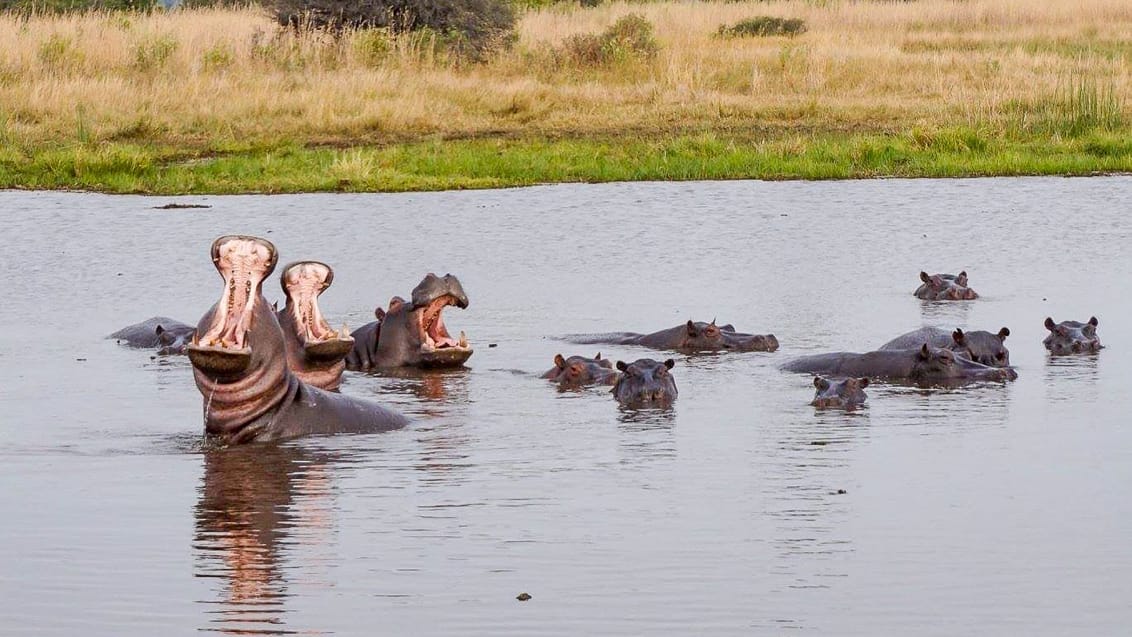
(845, 393)
(944, 287)
(924, 365)
(645, 383)
(693, 336)
(578, 371)
(1072, 337)
(980, 346)
(315, 352)
(240, 363)
(413, 334)
(168, 335)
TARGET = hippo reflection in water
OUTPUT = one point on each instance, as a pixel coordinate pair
(844, 393)
(169, 336)
(980, 346)
(924, 365)
(315, 352)
(944, 287)
(578, 371)
(1072, 337)
(693, 336)
(645, 383)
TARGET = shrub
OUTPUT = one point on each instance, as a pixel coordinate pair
(764, 26)
(630, 38)
(153, 53)
(218, 58)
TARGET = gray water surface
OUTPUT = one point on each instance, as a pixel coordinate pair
(991, 509)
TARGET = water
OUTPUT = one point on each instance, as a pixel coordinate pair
(989, 509)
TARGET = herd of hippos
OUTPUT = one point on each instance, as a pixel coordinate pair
(272, 374)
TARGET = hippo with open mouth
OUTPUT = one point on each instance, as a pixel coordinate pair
(1072, 337)
(240, 363)
(315, 352)
(645, 383)
(169, 336)
(924, 365)
(845, 393)
(984, 347)
(944, 287)
(412, 333)
(693, 336)
(578, 371)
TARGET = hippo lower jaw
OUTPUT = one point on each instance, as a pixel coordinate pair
(438, 348)
(221, 361)
(243, 263)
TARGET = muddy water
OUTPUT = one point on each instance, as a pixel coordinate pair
(990, 509)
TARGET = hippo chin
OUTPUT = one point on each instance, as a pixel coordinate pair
(924, 365)
(984, 347)
(693, 336)
(413, 333)
(845, 393)
(579, 371)
(944, 287)
(645, 383)
(315, 352)
(240, 363)
(169, 336)
(1072, 337)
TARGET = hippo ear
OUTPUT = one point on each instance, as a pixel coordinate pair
(962, 278)
(1093, 321)
(275, 306)
(621, 366)
(691, 328)
(713, 320)
(924, 351)
(559, 362)
(159, 330)
(863, 382)
(1003, 333)
(958, 336)
(598, 357)
(925, 277)
(670, 363)
(821, 383)
(1050, 324)
(379, 313)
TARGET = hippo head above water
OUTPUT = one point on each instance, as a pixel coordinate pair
(945, 287)
(1072, 337)
(577, 371)
(413, 333)
(645, 383)
(174, 339)
(935, 364)
(846, 393)
(700, 336)
(315, 352)
(983, 347)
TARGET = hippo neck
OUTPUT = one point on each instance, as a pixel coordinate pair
(321, 374)
(397, 343)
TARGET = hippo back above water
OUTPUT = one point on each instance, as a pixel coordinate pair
(926, 364)
(1072, 337)
(169, 336)
(691, 337)
(980, 346)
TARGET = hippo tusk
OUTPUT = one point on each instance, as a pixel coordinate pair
(463, 339)
(345, 333)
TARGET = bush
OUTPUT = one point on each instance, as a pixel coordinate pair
(153, 53)
(630, 38)
(470, 27)
(764, 26)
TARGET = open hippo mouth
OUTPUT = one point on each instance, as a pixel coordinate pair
(437, 345)
(243, 262)
(303, 282)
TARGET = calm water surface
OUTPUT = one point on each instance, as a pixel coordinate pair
(987, 510)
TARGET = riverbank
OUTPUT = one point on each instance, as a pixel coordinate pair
(221, 101)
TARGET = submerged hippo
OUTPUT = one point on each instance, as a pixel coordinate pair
(413, 333)
(240, 362)
(693, 336)
(1072, 337)
(927, 365)
(980, 346)
(944, 287)
(168, 335)
(645, 383)
(315, 352)
(578, 371)
(845, 393)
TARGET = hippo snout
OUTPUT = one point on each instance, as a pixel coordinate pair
(1008, 373)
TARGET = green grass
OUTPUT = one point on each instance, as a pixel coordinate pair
(124, 167)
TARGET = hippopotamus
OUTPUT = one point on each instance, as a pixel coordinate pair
(169, 336)
(577, 371)
(980, 346)
(944, 287)
(645, 383)
(240, 363)
(315, 352)
(926, 364)
(413, 334)
(693, 336)
(1072, 337)
(845, 393)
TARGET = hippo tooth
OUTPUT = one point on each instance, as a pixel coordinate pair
(463, 339)
(345, 333)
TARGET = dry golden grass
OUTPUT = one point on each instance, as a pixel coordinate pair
(217, 79)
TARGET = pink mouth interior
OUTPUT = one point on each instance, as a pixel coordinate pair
(304, 282)
(243, 263)
(434, 334)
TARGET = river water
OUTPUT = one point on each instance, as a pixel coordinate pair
(989, 509)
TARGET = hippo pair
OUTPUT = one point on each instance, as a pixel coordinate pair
(944, 287)
(642, 383)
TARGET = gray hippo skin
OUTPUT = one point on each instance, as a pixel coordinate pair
(693, 336)
(925, 365)
(413, 333)
(1072, 337)
(845, 393)
(944, 287)
(240, 363)
(578, 371)
(315, 352)
(980, 346)
(645, 383)
(169, 336)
